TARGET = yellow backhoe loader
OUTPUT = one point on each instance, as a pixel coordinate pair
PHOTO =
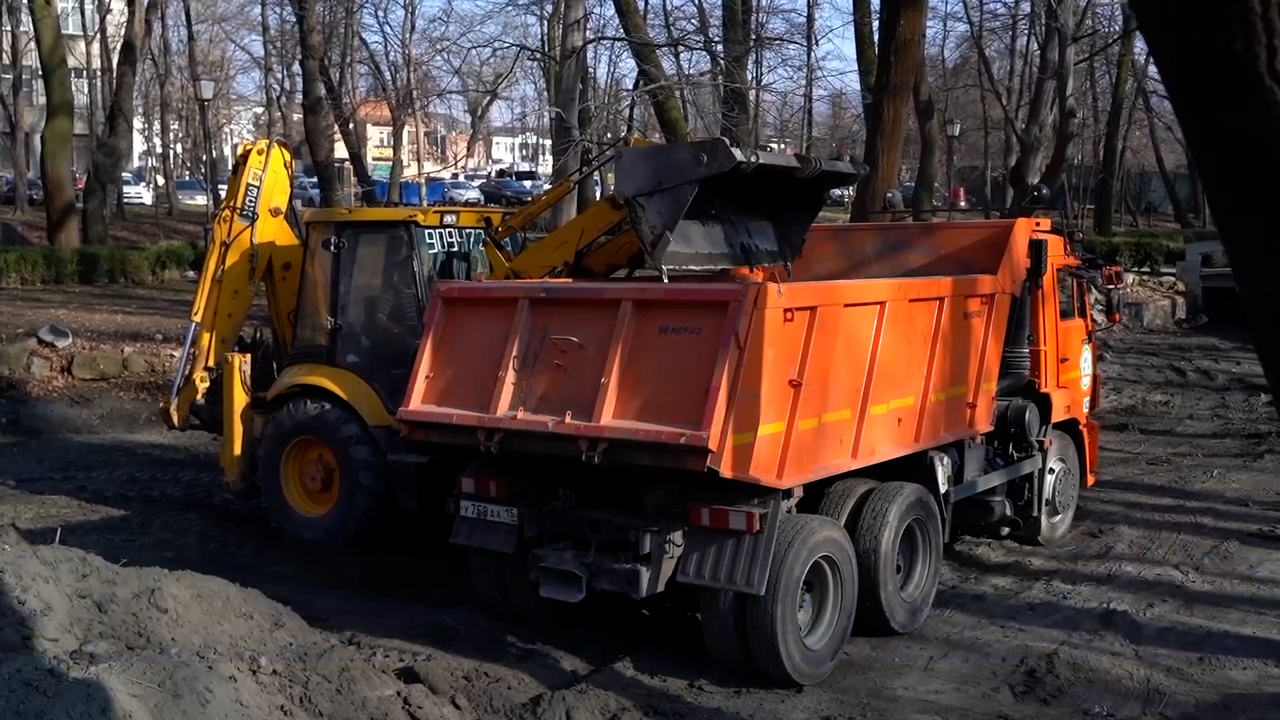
(306, 417)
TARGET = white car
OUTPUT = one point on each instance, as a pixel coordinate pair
(135, 193)
(306, 191)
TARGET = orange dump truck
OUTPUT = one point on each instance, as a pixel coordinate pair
(793, 447)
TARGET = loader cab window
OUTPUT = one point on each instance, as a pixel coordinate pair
(311, 338)
(379, 306)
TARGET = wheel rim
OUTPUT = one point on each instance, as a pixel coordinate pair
(911, 564)
(819, 601)
(1059, 489)
(309, 477)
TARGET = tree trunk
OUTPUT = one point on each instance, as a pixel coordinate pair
(653, 77)
(810, 70)
(165, 71)
(864, 43)
(317, 116)
(1223, 122)
(901, 50)
(193, 68)
(17, 108)
(927, 171)
(109, 155)
(88, 68)
(1105, 211)
(268, 71)
(586, 189)
(565, 133)
(57, 148)
(1166, 178)
(735, 101)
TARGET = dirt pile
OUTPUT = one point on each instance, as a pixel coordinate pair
(83, 638)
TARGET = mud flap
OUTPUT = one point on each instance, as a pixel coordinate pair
(485, 535)
(726, 560)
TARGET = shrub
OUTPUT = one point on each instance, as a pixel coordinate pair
(1146, 248)
(95, 264)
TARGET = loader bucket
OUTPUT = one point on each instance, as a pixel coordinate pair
(705, 205)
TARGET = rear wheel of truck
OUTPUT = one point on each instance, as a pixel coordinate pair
(1060, 493)
(797, 629)
(899, 546)
(844, 501)
(505, 586)
(321, 471)
(724, 628)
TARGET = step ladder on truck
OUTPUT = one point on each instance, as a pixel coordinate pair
(786, 420)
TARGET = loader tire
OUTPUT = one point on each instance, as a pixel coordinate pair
(321, 471)
(798, 628)
(1059, 496)
(899, 546)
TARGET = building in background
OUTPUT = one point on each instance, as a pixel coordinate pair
(444, 143)
(519, 148)
(84, 38)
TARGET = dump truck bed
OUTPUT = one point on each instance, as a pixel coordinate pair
(886, 340)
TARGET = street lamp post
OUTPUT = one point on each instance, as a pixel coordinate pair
(205, 89)
(953, 132)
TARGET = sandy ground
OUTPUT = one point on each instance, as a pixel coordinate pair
(131, 588)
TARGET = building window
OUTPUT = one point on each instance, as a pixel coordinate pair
(70, 17)
(80, 88)
(382, 138)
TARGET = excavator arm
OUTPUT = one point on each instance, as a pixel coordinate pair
(252, 244)
(701, 205)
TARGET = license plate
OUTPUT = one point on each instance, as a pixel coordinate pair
(485, 511)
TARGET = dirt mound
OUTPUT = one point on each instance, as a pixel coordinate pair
(92, 639)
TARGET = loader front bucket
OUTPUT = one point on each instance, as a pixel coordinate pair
(705, 205)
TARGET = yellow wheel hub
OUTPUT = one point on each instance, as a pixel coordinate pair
(309, 476)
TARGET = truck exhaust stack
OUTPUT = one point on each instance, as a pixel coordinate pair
(705, 205)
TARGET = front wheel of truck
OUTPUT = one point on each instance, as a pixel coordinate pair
(321, 471)
(797, 629)
(1060, 493)
(899, 546)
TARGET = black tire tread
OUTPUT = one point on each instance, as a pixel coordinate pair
(845, 500)
(1033, 533)
(364, 468)
(876, 516)
(488, 571)
(761, 611)
(724, 629)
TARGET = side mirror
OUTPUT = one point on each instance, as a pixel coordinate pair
(1039, 249)
(1113, 289)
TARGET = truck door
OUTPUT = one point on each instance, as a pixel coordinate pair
(1075, 351)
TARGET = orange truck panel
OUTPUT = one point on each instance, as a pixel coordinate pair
(885, 340)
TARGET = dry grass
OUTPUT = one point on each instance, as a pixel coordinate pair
(141, 226)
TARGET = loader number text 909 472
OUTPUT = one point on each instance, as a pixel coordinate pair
(485, 511)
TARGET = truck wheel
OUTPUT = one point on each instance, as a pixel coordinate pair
(321, 471)
(899, 546)
(844, 501)
(724, 628)
(505, 587)
(1060, 493)
(799, 626)
(488, 571)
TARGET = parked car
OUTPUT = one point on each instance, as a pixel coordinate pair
(222, 186)
(529, 178)
(190, 192)
(306, 190)
(461, 192)
(908, 191)
(505, 191)
(135, 193)
(35, 192)
(475, 178)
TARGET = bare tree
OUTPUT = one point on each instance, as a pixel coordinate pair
(56, 139)
(1104, 214)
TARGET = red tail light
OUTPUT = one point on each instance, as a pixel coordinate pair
(718, 517)
(484, 487)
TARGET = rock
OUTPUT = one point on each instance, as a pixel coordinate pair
(13, 357)
(190, 275)
(136, 363)
(429, 674)
(54, 336)
(91, 365)
(94, 651)
(39, 367)
(159, 337)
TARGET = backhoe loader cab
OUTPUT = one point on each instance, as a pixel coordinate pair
(306, 419)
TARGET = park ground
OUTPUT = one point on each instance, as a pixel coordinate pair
(130, 584)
